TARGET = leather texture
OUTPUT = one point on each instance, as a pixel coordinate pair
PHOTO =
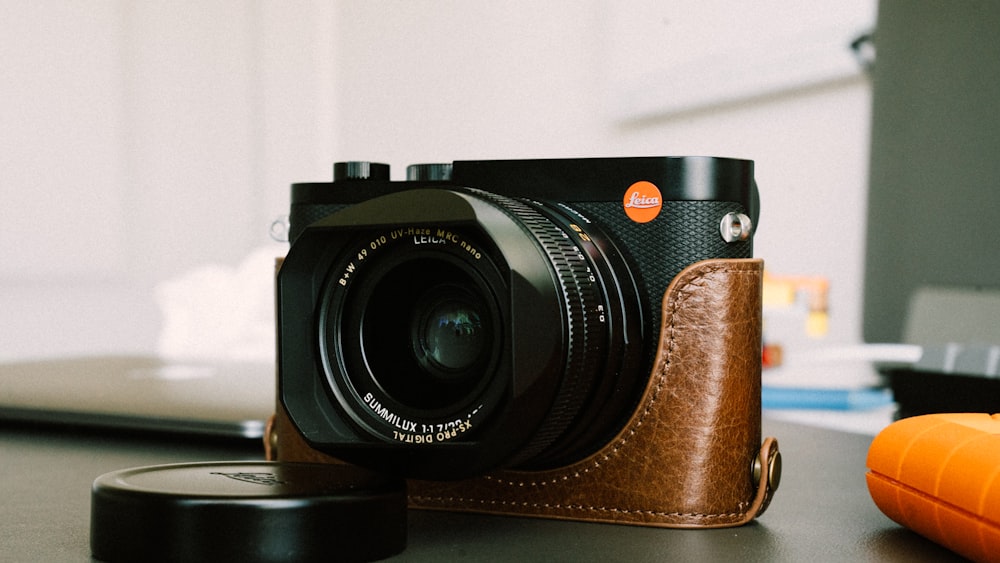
(685, 459)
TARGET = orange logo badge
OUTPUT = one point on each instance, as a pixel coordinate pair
(642, 202)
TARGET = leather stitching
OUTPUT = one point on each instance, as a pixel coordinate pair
(579, 507)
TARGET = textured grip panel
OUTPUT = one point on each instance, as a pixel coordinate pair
(939, 475)
(684, 233)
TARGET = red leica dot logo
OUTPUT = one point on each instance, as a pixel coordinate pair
(642, 202)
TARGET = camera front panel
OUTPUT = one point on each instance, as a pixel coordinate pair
(542, 343)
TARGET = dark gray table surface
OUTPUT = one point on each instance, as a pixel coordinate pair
(822, 511)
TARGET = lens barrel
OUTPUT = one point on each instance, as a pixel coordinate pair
(457, 331)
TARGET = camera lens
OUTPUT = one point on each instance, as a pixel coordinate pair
(459, 331)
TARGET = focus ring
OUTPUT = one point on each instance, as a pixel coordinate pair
(579, 295)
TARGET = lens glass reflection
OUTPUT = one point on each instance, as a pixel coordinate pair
(449, 335)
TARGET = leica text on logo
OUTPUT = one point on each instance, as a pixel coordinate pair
(642, 202)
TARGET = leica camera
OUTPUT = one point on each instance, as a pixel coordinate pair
(511, 315)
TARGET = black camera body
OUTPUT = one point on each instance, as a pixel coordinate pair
(490, 314)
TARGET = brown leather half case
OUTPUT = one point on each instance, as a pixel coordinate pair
(691, 455)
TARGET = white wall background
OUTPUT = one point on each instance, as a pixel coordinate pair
(141, 139)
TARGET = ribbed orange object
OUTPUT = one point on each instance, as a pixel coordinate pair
(939, 475)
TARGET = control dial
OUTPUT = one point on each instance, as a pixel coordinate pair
(360, 170)
(432, 172)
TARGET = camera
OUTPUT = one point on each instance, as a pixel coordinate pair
(523, 317)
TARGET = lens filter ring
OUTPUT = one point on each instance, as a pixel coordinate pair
(394, 377)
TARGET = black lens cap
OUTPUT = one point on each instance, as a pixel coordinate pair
(247, 511)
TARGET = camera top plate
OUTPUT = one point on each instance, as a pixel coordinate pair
(679, 178)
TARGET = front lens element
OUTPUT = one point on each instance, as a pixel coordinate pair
(449, 335)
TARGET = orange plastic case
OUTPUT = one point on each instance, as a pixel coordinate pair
(939, 475)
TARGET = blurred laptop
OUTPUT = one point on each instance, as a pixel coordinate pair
(223, 399)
